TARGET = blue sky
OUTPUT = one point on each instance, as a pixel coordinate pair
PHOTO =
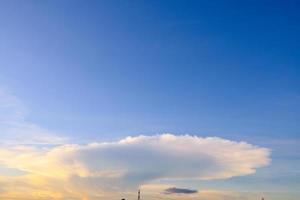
(103, 70)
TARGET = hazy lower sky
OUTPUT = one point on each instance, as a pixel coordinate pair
(183, 99)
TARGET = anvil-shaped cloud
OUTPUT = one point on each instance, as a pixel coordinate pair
(141, 159)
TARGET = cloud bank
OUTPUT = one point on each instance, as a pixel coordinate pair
(136, 160)
(114, 169)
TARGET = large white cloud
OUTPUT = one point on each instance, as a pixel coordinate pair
(137, 160)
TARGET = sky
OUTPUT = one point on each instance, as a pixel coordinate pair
(182, 99)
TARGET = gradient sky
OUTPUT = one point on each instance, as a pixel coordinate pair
(80, 72)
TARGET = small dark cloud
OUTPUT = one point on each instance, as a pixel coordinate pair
(175, 190)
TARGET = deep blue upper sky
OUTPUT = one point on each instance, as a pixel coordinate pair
(105, 69)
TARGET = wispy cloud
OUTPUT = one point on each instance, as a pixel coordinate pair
(15, 129)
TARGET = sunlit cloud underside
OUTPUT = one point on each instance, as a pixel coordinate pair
(98, 170)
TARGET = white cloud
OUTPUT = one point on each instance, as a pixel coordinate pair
(103, 170)
(136, 160)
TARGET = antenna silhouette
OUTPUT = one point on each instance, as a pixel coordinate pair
(139, 195)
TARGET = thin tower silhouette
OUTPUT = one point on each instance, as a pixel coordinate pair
(139, 195)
